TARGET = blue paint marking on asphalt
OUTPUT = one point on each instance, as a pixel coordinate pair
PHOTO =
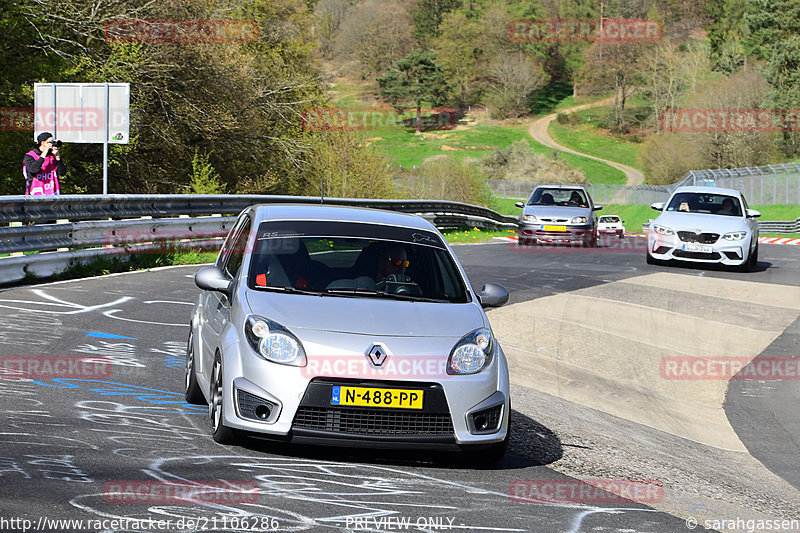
(108, 335)
(147, 395)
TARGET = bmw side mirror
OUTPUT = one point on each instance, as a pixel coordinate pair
(658, 206)
(493, 295)
(211, 278)
(752, 213)
(597, 207)
(520, 205)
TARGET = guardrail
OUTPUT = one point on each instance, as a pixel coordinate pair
(91, 226)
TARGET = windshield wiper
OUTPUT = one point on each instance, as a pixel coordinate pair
(291, 290)
(380, 294)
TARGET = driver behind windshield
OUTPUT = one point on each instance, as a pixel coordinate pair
(392, 264)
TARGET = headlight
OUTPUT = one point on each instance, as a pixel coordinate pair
(472, 353)
(274, 342)
(663, 230)
(735, 236)
(578, 220)
(528, 218)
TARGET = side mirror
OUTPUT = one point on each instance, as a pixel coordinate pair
(520, 205)
(597, 207)
(211, 278)
(658, 206)
(493, 295)
(752, 213)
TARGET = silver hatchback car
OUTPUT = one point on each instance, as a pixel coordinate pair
(347, 326)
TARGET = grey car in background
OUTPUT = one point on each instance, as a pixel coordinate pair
(346, 326)
(558, 214)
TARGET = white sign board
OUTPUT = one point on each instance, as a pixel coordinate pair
(83, 112)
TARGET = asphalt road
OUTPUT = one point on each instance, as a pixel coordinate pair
(69, 444)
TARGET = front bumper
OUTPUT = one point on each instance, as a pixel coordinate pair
(569, 234)
(296, 407)
(670, 247)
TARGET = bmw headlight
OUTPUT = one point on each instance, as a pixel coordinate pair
(472, 353)
(578, 220)
(663, 230)
(528, 218)
(735, 236)
(274, 342)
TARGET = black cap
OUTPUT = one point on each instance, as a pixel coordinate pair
(43, 137)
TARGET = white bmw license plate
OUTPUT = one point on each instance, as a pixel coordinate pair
(697, 248)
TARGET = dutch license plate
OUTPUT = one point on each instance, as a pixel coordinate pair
(697, 248)
(554, 228)
(375, 397)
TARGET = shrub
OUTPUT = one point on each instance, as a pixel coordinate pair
(519, 163)
(452, 180)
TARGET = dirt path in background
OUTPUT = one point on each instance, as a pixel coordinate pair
(538, 130)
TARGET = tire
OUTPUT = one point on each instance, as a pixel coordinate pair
(652, 260)
(219, 431)
(191, 390)
(522, 242)
(490, 455)
(751, 263)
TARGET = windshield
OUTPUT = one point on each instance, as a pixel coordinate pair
(559, 197)
(608, 220)
(354, 260)
(714, 204)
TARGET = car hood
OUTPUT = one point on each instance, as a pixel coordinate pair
(367, 316)
(701, 221)
(549, 211)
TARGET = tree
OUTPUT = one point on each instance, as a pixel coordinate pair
(376, 35)
(775, 29)
(513, 79)
(458, 51)
(428, 15)
(416, 79)
(613, 66)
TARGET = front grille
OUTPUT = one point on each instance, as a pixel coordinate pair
(372, 422)
(554, 219)
(702, 238)
(696, 255)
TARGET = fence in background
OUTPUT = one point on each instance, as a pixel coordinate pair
(767, 185)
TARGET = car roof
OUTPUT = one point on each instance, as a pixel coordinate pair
(708, 190)
(334, 213)
(581, 187)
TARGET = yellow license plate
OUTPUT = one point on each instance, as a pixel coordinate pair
(373, 397)
(554, 228)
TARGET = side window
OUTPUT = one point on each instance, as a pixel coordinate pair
(227, 245)
(236, 253)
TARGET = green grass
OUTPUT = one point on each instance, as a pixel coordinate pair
(471, 235)
(406, 149)
(587, 138)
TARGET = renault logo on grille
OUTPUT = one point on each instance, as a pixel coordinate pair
(378, 354)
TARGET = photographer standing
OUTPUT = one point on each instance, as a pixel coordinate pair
(42, 167)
